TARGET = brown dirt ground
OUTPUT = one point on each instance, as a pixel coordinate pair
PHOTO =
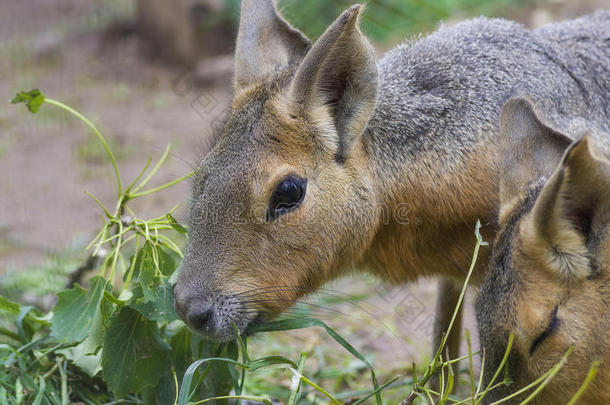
(48, 161)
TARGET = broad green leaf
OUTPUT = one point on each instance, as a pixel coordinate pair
(218, 381)
(162, 393)
(181, 353)
(168, 261)
(134, 355)
(87, 355)
(160, 308)
(153, 273)
(80, 357)
(76, 310)
(33, 99)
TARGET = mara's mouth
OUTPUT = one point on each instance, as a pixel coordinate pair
(223, 320)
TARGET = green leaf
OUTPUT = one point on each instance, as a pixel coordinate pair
(41, 389)
(80, 357)
(160, 308)
(174, 224)
(87, 355)
(163, 393)
(152, 275)
(33, 99)
(185, 388)
(300, 323)
(134, 355)
(8, 306)
(76, 310)
(270, 361)
(218, 382)
(168, 261)
(181, 350)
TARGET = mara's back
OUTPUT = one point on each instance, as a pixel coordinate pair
(450, 86)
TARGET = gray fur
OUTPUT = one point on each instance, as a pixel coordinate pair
(444, 92)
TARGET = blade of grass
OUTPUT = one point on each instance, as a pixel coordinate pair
(300, 323)
(154, 169)
(588, 379)
(294, 394)
(540, 381)
(374, 392)
(237, 397)
(509, 346)
(185, 394)
(164, 186)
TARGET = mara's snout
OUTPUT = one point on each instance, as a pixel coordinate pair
(215, 316)
(219, 304)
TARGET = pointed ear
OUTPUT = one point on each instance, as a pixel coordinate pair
(528, 148)
(265, 43)
(336, 84)
(572, 208)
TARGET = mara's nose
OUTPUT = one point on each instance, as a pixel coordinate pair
(201, 318)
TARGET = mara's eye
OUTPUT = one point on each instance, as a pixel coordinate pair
(287, 196)
(552, 327)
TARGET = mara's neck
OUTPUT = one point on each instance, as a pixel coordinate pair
(432, 196)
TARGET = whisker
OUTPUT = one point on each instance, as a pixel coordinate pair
(346, 298)
(329, 311)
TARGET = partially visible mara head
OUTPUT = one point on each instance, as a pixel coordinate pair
(283, 201)
(549, 277)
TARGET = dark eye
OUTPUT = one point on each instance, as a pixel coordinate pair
(287, 196)
(552, 327)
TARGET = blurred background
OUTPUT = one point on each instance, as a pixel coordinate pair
(153, 72)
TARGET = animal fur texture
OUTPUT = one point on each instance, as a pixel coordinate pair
(548, 281)
(399, 156)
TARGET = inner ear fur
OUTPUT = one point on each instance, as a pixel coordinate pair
(336, 83)
(572, 208)
(529, 148)
(266, 43)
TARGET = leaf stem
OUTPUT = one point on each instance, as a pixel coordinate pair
(163, 187)
(97, 134)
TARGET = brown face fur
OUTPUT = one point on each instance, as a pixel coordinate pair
(549, 279)
(243, 263)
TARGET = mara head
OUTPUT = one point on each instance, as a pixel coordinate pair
(282, 203)
(548, 282)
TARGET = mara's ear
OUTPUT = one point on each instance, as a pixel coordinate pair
(528, 148)
(572, 210)
(265, 43)
(336, 83)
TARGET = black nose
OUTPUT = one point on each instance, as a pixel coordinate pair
(201, 318)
